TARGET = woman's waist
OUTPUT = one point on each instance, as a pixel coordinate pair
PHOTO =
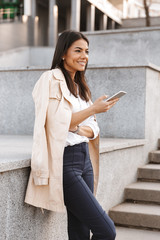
(73, 139)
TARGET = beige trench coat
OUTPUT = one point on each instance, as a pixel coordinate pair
(53, 112)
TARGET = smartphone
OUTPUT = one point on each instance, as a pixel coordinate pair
(116, 95)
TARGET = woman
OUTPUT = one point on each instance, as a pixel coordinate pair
(65, 142)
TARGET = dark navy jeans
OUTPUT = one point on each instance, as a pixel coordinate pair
(83, 210)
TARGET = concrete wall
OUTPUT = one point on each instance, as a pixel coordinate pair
(13, 35)
(26, 56)
(19, 34)
(152, 108)
(17, 109)
(124, 47)
(17, 57)
(20, 221)
(118, 168)
(41, 56)
(136, 115)
(16, 104)
(119, 159)
(139, 22)
(127, 118)
(132, 117)
(108, 48)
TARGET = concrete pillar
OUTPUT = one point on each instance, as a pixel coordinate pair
(53, 22)
(36, 27)
(113, 24)
(90, 18)
(30, 12)
(103, 22)
(131, 7)
(125, 8)
(75, 14)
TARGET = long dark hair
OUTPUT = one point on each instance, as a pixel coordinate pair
(65, 40)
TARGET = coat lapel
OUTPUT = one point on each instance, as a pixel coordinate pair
(57, 73)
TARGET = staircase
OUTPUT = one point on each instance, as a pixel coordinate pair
(141, 208)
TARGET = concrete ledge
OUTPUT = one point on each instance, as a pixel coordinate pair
(139, 22)
(90, 66)
(101, 66)
(15, 150)
(27, 56)
(129, 30)
(113, 144)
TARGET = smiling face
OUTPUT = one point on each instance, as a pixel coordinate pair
(76, 57)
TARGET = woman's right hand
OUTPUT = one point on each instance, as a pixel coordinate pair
(100, 105)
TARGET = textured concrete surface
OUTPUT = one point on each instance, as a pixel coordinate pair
(139, 22)
(110, 48)
(143, 191)
(138, 215)
(125, 47)
(14, 35)
(118, 168)
(26, 56)
(14, 57)
(152, 110)
(20, 221)
(16, 104)
(131, 117)
(127, 118)
(15, 152)
(154, 156)
(17, 108)
(113, 144)
(149, 171)
(138, 234)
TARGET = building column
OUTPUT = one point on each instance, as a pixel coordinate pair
(53, 22)
(27, 7)
(90, 18)
(125, 8)
(30, 12)
(75, 14)
(103, 22)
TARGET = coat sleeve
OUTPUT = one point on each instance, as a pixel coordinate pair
(39, 158)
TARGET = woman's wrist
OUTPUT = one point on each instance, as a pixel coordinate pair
(77, 130)
(92, 109)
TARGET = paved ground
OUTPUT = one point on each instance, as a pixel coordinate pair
(136, 234)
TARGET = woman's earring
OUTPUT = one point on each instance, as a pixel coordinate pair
(63, 59)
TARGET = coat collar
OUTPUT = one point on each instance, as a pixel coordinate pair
(57, 73)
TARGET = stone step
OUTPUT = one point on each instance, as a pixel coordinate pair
(124, 233)
(136, 215)
(149, 172)
(143, 191)
(154, 156)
